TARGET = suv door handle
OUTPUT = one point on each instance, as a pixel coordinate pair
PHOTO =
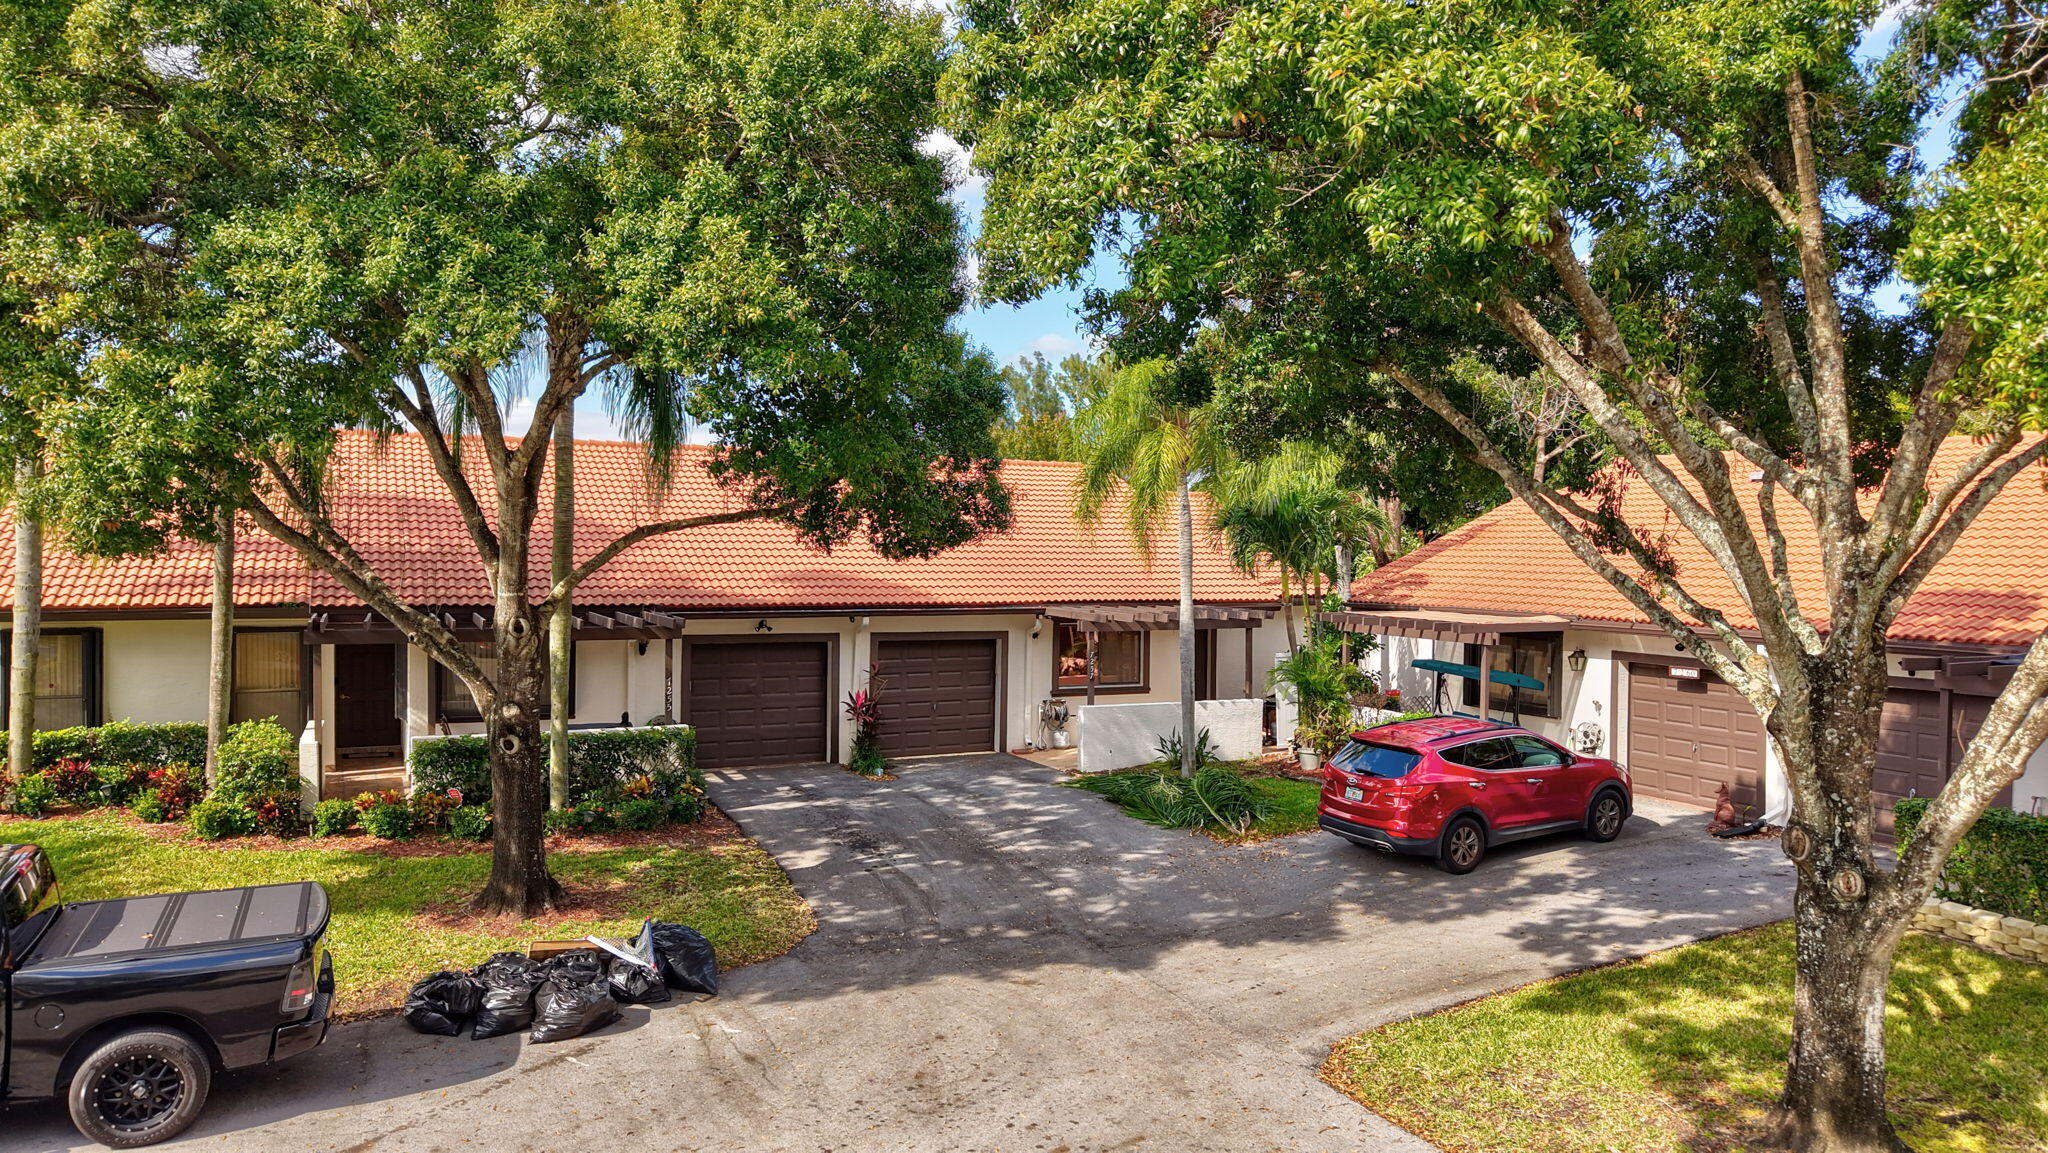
(1477, 784)
(1532, 780)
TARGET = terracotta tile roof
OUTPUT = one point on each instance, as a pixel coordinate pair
(389, 502)
(1991, 589)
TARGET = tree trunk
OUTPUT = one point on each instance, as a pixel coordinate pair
(561, 638)
(1848, 921)
(520, 883)
(1187, 631)
(220, 679)
(28, 625)
(1287, 614)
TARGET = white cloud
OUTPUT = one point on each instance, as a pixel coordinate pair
(1054, 345)
(959, 161)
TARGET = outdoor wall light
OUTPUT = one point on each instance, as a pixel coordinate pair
(1577, 660)
(763, 627)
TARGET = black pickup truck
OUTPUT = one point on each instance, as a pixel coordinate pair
(125, 1008)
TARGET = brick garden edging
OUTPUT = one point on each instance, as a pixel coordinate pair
(2008, 936)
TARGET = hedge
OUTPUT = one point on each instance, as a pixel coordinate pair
(120, 743)
(2001, 864)
(600, 762)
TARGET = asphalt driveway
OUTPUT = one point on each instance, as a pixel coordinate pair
(1003, 964)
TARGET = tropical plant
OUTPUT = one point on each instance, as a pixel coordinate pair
(1149, 438)
(1324, 685)
(864, 710)
(1169, 750)
(1216, 797)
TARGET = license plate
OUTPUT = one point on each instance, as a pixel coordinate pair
(1354, 793)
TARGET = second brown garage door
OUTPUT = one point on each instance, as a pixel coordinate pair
(1686, 737)
(759, 703)
(1924, 734)
(936, 694)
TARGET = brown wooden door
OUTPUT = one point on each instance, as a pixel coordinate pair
(936, 694)
(759, 702)
(365, 698)
(1687, 737)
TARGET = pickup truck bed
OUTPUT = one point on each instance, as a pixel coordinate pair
(131, 926)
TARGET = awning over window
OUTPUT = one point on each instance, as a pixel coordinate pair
(1146, 618)
(1477, 628)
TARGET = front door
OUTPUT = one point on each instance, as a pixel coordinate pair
(365, 712)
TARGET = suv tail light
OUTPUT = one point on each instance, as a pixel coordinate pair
(1400, 795)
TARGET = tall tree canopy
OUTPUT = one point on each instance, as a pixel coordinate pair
(1690, 215)
(276, 217)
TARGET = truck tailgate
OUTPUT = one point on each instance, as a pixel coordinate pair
(106, 929)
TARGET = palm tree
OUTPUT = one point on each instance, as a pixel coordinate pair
(1290, 509)
(1152, 436)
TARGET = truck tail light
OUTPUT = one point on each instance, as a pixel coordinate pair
(302, 986)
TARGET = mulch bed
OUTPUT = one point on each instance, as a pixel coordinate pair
(713, 827)
(580, 904)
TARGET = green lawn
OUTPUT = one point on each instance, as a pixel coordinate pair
(1291, 809)
(729, 889)
(1685, 1050)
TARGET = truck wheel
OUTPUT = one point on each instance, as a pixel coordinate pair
(140, 1088)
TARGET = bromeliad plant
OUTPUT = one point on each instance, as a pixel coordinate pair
(865, 712)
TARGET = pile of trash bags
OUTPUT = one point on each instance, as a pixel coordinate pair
(568, 994)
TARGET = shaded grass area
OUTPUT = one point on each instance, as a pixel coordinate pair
(1290, 809)
(397, 918)
(1269, 806)
(1686, 1049)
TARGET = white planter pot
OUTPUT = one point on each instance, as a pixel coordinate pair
(1311, 762)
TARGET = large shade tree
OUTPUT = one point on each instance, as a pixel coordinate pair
(451, 218)
(1694, 216)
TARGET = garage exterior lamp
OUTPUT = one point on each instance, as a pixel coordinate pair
(1577, 660)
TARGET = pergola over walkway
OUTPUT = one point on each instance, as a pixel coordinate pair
(1456, 626)
(1094, 620)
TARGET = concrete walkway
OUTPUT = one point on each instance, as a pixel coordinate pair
(1003, 964)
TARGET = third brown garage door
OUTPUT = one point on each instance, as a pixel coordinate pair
(758, 702)
(936, 694)
(1686, 737)
(1924, 734)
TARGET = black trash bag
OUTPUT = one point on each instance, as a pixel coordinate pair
(573, 1000)
(635, 984)
(509, 980)
(687, 960)
(443, 1003)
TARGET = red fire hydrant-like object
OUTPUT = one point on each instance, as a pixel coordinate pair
(1724, 808)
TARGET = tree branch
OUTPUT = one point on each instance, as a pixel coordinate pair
(419, 412)
(1934, 417)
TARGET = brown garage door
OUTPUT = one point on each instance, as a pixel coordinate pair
(936, 694)
(1919, 730)
(1686, 737)
(758, 702)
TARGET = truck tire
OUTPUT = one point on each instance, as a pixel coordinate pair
(140, 1088)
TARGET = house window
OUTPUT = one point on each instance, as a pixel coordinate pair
(1119, 661)
(454, 705)
(1530, 654)
(269, 672)
(67, 678)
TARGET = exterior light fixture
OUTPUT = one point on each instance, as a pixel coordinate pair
(1577, 660)
(763, 627)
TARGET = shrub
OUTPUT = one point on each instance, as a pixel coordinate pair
(364, 802)
(430, 809)
(257, 759)
(1216, 797)
(2001, 864)
(34, 795)
(333, 818)
(149, 806)
(685, 808)
(177, 788)
(642, 814)
(217, 820)
(867, 759)
(119, 784)
(1168, 749)
(591, 818)
(470, 822)
(121, 743)
(389, 821)
(559, 821)
(72, 780)
(601, 762)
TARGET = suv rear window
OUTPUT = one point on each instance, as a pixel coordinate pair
(1375, 760)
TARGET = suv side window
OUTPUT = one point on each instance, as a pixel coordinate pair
(1494, 754)
(1539, 754)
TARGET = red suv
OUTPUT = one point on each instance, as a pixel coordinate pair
(1453, 787)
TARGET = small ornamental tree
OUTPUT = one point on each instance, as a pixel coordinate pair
(1686, 214)
(451, 218)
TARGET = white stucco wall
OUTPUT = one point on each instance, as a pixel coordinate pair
(1122, 735)
(152, 670)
